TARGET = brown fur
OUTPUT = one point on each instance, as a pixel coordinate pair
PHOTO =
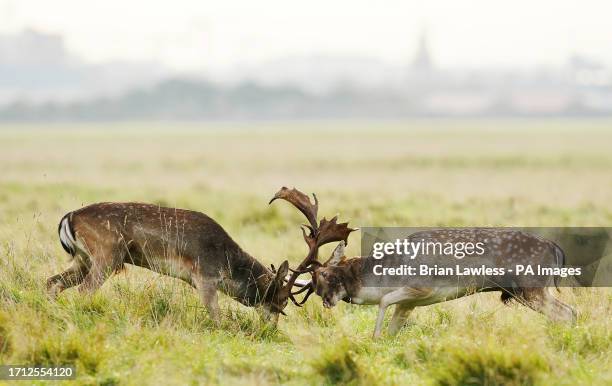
(181, 243)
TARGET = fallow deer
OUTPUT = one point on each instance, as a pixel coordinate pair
(340, 278)
(184, 244)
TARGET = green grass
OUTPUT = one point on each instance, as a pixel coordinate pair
(141, 328)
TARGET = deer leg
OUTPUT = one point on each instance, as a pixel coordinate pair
(399, 317)
(211, 302)
(207, 288)
(396, 296)
(94, 279)
(69, 278)
(104, 261)
(379, 320)
(410, 297)
(541, 300)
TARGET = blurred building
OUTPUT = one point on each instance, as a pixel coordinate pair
(37, 67)
(583, 86)
(40, 79)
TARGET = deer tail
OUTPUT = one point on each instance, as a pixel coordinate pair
(559, 260)
(66, 235)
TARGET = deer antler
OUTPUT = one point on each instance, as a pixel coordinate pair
(325, 232)
(301, 202)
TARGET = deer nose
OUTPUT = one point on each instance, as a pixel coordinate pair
(327, 302)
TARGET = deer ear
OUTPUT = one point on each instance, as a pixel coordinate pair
(338, 254)
(283, 270)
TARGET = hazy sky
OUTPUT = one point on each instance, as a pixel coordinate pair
(200, 34)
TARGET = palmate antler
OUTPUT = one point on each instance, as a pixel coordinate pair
(326, 231)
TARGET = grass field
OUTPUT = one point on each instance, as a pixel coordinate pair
(141, 328)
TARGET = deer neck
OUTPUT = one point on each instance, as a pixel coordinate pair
(351, 278)
(248, 281)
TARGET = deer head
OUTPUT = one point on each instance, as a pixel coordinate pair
(316, 234)
(332, 279)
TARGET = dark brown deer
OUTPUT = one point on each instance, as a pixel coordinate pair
(184, 244)
(340, 278)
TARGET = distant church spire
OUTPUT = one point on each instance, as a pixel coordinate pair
(422, 59)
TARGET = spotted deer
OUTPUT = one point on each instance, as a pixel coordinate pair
(188, 245)
(340, 278)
